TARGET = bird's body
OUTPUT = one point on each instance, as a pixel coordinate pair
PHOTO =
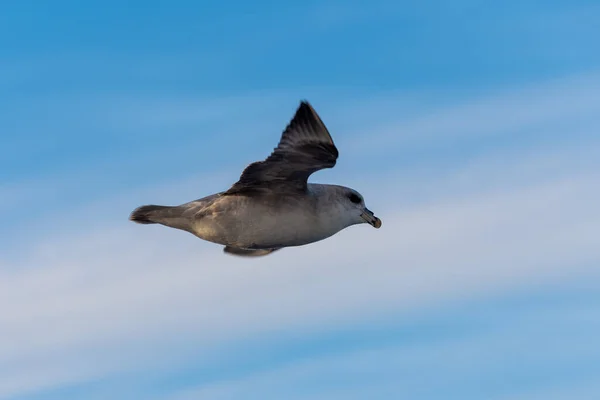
(272, 206)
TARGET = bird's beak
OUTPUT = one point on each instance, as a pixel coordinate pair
(371, 219)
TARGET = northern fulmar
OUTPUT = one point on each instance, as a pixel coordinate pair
(272, 205)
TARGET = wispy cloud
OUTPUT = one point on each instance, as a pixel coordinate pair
(105, 289)
(564, 106)
(114, 290)
(524, 338)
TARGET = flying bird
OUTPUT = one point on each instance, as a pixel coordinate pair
(272, 205)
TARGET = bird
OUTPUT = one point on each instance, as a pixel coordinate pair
(272, 206)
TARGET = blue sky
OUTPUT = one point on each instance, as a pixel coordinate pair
(471, 129)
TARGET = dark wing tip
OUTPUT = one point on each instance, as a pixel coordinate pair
(307, 117)
(307, 110)
(304, 112)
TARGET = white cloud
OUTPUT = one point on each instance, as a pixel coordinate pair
(517, 347)
(103, 291)
(116, 290)
(540, 109)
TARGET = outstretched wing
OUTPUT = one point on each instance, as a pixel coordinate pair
(305, 147)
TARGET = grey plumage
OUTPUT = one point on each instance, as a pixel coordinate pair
(272, 205)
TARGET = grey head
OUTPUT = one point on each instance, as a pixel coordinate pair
(345, 205)
(356, 205)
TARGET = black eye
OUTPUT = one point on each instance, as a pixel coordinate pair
(354, 198)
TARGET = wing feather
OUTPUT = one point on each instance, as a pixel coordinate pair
(304, 148)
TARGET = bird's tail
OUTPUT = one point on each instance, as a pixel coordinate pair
(150, 214)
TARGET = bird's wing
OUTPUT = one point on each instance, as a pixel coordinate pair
(305, 147)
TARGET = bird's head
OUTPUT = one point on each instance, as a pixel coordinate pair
(354, 206)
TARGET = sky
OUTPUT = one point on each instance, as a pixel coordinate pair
(471, 129)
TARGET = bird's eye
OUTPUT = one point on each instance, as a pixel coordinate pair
(354, 198)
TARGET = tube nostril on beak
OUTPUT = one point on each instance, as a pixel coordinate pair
(370, 218)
